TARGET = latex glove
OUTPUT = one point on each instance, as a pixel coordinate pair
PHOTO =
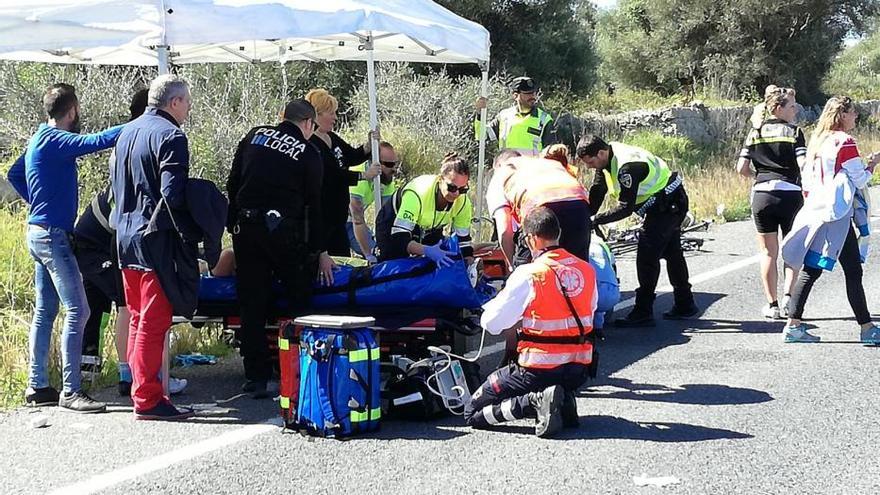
(438, 255)
(371, 259)
(326, 265)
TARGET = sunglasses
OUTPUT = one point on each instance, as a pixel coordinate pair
(387, 164)
(452, 188)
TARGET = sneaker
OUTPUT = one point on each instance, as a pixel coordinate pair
(164, 411)
(770, 311)
(124, 389)
(41, 397)
(871, 336)
(783, 306)
(80, 402)
(570, 418)
(176, 385)
(635, 319)
(260, 389)
(799, 334)
(548, 405)
(679, 313)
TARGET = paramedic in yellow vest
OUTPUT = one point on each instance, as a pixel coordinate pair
(523, 127)
(361, 196)
(553, 299)
(643, 184)
(413, 220)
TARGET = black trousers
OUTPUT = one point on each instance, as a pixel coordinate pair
(850, 261)
(261, 259)
(337, 240)
(386, 246)
(504, 394)
(661, 239)
(575, 230)
(99, 307)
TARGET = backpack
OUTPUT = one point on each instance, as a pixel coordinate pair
(339, 376)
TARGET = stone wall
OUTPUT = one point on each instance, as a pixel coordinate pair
(703, 125)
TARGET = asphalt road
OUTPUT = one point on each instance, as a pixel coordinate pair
(717, 404)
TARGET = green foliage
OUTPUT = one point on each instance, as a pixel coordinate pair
(679, 152)
(550, 40)
(856, 71)
(729, 48)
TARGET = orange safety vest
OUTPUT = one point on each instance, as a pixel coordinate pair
(534, 182)
(550, 335)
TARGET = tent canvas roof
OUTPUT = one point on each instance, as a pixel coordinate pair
(127, 32)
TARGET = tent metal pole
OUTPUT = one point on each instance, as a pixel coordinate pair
(481, 161)
(374, 118)
(162, 52)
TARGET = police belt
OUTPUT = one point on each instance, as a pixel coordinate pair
(666, 191)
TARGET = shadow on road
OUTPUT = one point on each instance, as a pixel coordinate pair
(612, 427)
(705, 394)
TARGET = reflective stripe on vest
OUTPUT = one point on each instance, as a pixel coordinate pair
(557, 324)
(658, 171)
(549, 317)
(536, 182)
(535, 358)
(513, 130)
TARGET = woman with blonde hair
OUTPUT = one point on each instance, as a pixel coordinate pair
(773, 154)
(338, 157)
(835, 176)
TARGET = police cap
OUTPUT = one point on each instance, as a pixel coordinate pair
(523, 84)
(299, 110)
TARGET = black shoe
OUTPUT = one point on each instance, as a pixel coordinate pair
(677, 313)
(80, 402)
(40, 397)
(636, 319)
(124, 389)
(164, 411)
(257, 388)
(570, 418)
(548, 405)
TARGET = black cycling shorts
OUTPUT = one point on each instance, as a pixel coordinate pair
(775, 210)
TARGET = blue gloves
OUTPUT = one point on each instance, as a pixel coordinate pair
(439, 256)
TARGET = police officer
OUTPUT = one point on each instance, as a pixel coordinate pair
(412, 221)
(523, 127)
(554, 298)
(643, 184)
(275, 219)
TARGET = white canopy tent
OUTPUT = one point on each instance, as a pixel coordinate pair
(165, 32)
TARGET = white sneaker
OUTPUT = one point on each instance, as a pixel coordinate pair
(771, 312)
(176, 385)
(783, 306)
(799, 334)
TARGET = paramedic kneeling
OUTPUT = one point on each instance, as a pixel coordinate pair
(554, 297)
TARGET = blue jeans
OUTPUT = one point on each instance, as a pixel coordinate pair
(349, 227)
(56, 277)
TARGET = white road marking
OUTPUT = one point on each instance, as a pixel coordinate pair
(168, 459)
(703, 277)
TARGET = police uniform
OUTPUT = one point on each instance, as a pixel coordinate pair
(554, 297)
(527, 133)
(644, 184)
(412, 214)
(95, 249)
(276, 221)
